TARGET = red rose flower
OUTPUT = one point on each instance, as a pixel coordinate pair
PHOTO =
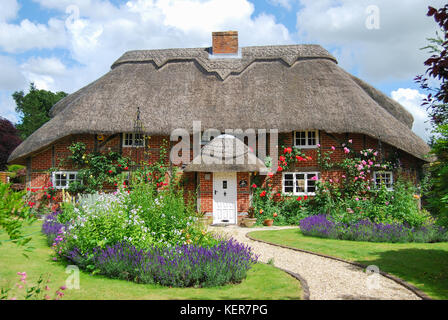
(279, 168)
(254, 186)
(299, 199)
(275, 214)
(110, 171)
(305, 197)
(126, 168)
(263, 194)
(282, 158)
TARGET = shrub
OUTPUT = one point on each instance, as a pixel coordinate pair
(107, 221)
(170, 220)
(13, 212)
(365, 230)
(179, 266)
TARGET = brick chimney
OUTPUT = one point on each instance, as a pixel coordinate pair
(225, 42)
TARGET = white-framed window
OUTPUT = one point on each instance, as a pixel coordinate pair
(306, 139)
(299, 183)
(133, 140)
(383, 177)
(62, 179)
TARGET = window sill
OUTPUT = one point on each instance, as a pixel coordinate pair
(306, 147)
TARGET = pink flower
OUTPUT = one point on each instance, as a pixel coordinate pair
(314, 178)
(318, 145)
(63, 288)
(346, 150)
(357, 199)
(333, 148)
(350, 141)
(343, 176)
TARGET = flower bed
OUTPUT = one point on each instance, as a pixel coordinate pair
(145, 235)
(364, 230)
(180, 266)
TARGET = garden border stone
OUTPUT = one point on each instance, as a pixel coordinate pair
(405, 284)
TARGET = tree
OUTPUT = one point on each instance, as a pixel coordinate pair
(436, 103)
(34, 108)
(9, 140)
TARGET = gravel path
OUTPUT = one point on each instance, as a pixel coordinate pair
(327, 279)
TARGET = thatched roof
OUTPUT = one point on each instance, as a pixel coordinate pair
(272, 87)
(226, 153)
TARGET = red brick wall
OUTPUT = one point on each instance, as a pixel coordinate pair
(52, 156)
(206, 192)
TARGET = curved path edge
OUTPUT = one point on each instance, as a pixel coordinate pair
(303, 282)
(401, 282)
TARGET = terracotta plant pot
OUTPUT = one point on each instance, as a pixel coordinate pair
(249, 222)
(268, 222)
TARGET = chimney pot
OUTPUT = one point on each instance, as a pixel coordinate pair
(225, 42)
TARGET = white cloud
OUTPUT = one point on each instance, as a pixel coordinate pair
(11, 77)
(411, 99)
(28, 35)
(9, 10)
(47, 66)
(391, 52)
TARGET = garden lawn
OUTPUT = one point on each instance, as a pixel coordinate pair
(425, 265)
(262, 282)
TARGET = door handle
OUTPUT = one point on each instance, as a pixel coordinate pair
(224, 194)
(216, 191)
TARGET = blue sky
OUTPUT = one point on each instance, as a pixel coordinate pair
(66, 44)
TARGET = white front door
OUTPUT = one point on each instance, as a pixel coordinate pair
(224, 197)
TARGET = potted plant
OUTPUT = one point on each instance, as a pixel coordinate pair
(250, 220)
(270, 222)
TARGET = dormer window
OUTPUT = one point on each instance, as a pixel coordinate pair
(133, 140)
(306, 139)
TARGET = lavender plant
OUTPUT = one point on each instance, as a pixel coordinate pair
(365, 230)
(180, 266)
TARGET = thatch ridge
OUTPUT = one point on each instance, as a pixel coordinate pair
(287, 89)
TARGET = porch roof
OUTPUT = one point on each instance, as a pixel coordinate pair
(226, 153)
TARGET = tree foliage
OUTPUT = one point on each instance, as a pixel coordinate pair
(436, 103)
(9, 140)
(34, 108)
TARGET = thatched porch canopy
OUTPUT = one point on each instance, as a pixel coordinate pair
(292, 87)
(226, 153)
